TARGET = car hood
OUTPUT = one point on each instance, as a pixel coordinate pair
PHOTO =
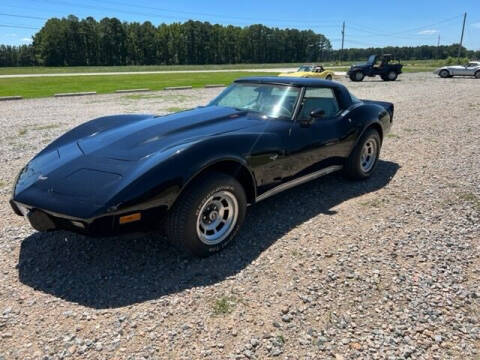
(89, 169)
(135, 140)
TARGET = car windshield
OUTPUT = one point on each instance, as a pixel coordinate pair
(372, 60)
(277, 101)
(305, 68)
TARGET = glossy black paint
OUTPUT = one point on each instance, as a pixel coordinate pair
(117, 165)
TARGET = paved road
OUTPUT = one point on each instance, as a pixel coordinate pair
(152, 72)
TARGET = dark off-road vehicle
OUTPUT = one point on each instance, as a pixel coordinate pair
(386, 66)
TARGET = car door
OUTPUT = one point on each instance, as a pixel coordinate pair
(458, 70)
(470, 69)
(317, 143)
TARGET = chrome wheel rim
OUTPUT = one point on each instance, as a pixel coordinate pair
(368, 155)
(359, 76)
(217, 217)
(391, 75)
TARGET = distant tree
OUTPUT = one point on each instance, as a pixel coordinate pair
(72, 42)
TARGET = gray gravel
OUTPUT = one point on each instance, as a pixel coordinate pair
(383, 269)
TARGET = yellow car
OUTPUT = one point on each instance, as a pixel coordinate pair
(311, 71)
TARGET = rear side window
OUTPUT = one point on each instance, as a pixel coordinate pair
(319, 98)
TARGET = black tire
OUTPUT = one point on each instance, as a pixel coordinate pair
(384, 78)
(354, 168)
(328, 77)
(477, 75)
(357, 76)
(444, 74)
(392, 75)
(185, 214)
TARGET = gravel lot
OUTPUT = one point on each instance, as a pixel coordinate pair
(383, 269)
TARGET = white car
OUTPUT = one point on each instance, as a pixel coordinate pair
(470, 69)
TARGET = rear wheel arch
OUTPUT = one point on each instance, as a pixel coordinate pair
(376, 126)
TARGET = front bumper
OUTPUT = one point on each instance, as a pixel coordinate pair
(107, 225)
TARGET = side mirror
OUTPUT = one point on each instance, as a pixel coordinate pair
(317, 113)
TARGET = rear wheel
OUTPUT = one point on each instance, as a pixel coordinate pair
(392, 75)
(357, 76)
(208, 214)
(444, 74)
(328, 77)
(363, 160)
(477, 75)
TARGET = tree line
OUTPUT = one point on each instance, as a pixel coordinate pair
(423, 52)
(73, 42)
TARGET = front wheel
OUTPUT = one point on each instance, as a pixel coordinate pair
(363, 160)
(477, 75)
(357, 76)
(208, 214)
(444, 74)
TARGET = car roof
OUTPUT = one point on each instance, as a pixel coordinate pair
(292, 81)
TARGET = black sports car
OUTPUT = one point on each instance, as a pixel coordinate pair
(197, 170)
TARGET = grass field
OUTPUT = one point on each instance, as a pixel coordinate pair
(411, 65)
(31, 87)
(94, 69)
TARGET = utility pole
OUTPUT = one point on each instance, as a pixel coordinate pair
(438, 47)
(461, 38)
(343, 39)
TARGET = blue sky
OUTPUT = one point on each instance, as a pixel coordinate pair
(387, 22)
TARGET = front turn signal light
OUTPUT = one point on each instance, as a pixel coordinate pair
(129, 218)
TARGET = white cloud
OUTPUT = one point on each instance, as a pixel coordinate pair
(428, 32)
(476, 25)
(26, 40)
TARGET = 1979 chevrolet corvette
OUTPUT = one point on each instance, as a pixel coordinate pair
(199, 169)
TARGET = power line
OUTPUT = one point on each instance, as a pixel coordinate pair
(18, 27)
(222, 16)
(427, 26)
(23, 16)
(156, 15)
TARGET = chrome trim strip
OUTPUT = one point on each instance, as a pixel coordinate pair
(298, 181)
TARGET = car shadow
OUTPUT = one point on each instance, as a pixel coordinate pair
(113, 272)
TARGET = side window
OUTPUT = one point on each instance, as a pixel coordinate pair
(319, 98)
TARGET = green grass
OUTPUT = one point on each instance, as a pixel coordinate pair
(224, 305)
(94, 69)
(30, 87)
(393, 136)
(409, 66)
(175, 109)
(472, 199)
(40, 127)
